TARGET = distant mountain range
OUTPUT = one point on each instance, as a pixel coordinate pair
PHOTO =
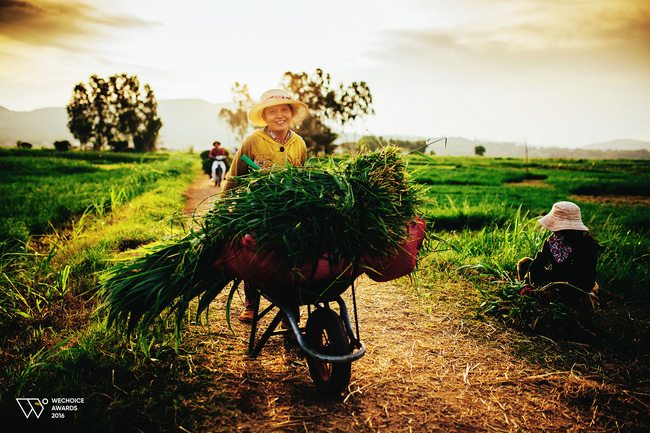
(194, 123)
(616, 149)
(186, 123)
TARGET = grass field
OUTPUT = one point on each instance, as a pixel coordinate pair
(64, 216)
(45, 189)
(476, 203)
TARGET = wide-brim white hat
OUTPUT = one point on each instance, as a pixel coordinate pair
(564, 216)
(277, 97)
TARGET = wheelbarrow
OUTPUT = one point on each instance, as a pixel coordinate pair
(329, 341)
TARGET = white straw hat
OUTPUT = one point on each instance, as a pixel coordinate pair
(277, 97)
(564, 216)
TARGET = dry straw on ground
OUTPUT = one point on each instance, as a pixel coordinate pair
(426, 369)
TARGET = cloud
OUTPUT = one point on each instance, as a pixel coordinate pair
(534, 41)
(59, 23)
(542, 25)
(547, 70)
(566, 24)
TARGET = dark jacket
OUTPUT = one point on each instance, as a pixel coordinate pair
(567, 256)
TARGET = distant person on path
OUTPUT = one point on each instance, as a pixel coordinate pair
(568, 256)
(218, 155)
(273, 144)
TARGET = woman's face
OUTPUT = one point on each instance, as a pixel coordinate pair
(278, 118)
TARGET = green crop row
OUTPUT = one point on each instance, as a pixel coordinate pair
(41, 191)
(61, 225)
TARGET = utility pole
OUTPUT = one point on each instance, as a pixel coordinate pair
(526, 147)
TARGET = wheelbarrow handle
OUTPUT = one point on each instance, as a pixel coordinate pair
(255, 349)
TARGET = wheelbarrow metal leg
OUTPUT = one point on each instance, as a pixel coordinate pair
(256, 317)
(354, 339)
(253, 352)
(285, 311)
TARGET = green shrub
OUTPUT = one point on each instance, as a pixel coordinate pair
(63, 145)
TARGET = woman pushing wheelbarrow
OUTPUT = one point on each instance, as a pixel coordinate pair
(301, 236)
(273, 144)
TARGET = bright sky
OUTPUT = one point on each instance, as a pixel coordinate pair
(548, 72)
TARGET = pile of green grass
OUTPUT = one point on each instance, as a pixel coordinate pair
(344, 210)
(298, 214)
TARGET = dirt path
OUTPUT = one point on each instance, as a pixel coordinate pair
(200, 196)
(426, 369)
(422, 372)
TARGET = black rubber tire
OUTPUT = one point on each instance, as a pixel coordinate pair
(219, 177)
(326, 335)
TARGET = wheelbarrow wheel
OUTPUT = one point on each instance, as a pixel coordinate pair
(218, 176)
(326, 334)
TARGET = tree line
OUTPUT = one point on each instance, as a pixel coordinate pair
(329, 106)
(121, 114)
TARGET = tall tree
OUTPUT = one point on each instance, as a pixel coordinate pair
(145, 136)
(331, 106)
(81, 121)
(238, 118)
(101, 116)
(318, 137)
(124, 99)
(114, 110)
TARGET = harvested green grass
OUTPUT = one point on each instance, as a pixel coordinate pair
(344, 210)
(298, 214)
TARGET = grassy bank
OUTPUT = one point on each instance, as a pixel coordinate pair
(489, 222)
(64, 219)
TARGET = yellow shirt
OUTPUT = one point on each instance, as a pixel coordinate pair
(266, 153)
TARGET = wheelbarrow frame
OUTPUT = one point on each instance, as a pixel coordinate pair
(323, 301)
(319, 284)
(286, 311)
